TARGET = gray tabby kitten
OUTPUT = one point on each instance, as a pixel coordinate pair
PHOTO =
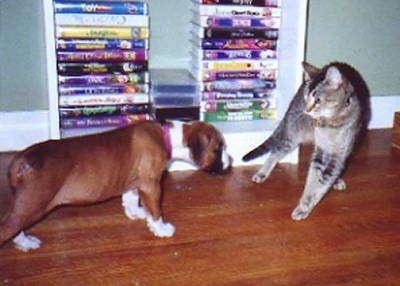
(331, 109)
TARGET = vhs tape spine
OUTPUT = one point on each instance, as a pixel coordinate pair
(121, 109)
(94, 32)
(236, 105)
(236, 64)
(238, 33)
(237, 22)
(261, 3)
(101, 121)
(103, 99)
(101, 7)
(232, 95)
(236, 44)
(97, 89)
(236, 54)
(240, 115)
(106, 44)
(215, 75)
(101, 68)
(102, 55)
(236, 11)
(137, 78)
(102, 20)
(237, 85)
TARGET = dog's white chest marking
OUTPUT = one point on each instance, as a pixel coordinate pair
(179, 151)
(226, 160)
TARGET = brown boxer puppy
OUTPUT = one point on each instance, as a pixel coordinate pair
(129, 161)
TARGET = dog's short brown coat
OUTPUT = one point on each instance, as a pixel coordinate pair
(94, 168)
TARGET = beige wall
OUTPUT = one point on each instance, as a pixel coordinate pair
(22, 56)
(364, 33)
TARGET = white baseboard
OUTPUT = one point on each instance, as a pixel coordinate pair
(383, 108)
(20, 129)
(238, 144)
(23, 128)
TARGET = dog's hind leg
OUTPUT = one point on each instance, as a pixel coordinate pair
(130, 202)
(14, 224)
(26, 210)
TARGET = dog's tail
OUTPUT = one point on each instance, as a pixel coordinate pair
(262, 149)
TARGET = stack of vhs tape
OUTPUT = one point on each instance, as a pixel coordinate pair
(102, 62)
(234, 58)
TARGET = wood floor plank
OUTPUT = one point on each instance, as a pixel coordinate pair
(230, 231)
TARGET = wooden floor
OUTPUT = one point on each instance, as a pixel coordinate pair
(231, 231)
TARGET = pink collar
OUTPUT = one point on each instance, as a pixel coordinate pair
(167, 139)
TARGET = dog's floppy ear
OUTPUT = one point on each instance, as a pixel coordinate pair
(187, 131)
(197, 142)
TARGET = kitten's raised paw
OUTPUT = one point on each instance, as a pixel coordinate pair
(340, 185)
(300, 212)
(259, 178)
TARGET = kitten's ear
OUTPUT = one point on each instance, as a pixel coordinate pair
(310, 70)
(334, 77)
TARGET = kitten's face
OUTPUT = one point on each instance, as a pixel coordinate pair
(328, 96)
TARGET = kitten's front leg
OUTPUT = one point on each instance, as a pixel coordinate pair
(324, 171)
(312, 194)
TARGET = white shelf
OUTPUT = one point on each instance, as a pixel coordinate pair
(51, 68)
(240, 136)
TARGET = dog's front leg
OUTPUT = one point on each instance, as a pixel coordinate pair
(150, 193)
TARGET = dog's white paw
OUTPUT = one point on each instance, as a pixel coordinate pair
(160, 228)
(26, 242)
(259, 178)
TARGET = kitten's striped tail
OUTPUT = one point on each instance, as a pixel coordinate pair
(262, 149)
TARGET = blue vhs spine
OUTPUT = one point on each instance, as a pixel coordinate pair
(101, 7)
(107, 44)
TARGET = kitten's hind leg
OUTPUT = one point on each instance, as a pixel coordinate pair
(263, 173)
(272, 159)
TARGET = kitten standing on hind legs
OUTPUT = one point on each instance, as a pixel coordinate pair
(331, 109)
